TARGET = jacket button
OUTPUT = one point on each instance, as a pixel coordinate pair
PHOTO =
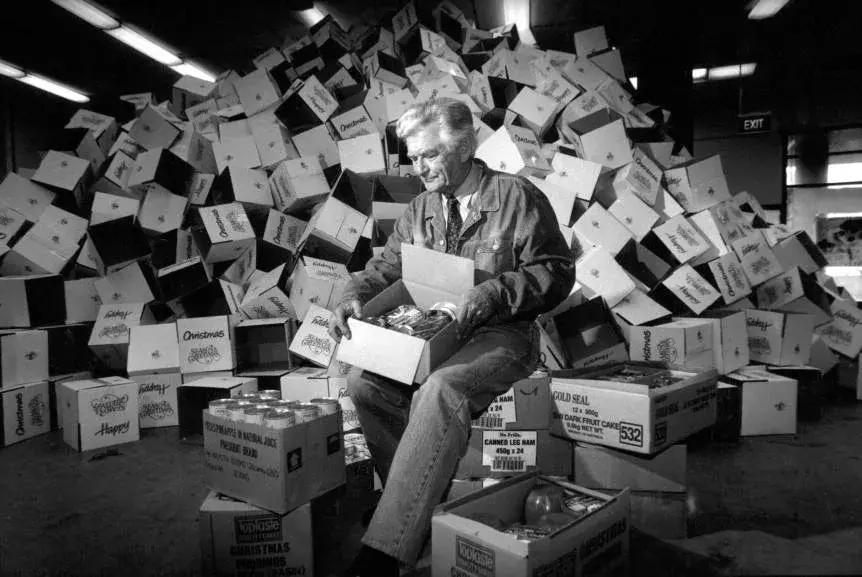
(440, 243)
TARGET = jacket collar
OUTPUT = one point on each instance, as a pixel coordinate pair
(487, 197)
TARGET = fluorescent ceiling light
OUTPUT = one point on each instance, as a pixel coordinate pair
(842, 270)
(311, 16)
(88, 12)
(189, 69)
(634, 82)
(145, 45)
(54, 88)
(732, 71)
(11, 71)
(761, 9)
(698, 74)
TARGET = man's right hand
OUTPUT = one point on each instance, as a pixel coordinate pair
(338, 320)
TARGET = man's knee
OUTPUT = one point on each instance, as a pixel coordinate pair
(367, 390)
(442, 390)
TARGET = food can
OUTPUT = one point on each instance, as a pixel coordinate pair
(306, 412)
(219, 407)
(326, 406)
(282, 404)
(254, 415)
(272, 394)
(236, 410)
(246, 396)
(279, 418)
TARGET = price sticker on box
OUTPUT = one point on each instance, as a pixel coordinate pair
(500, 412)
(509, 451)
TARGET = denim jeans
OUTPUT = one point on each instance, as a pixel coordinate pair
(417, 436)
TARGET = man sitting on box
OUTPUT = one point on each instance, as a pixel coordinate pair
(523, 268)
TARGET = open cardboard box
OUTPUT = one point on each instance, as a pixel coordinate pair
(428, 277)
(595, 544)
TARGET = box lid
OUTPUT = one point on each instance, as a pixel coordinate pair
(153, 349)
(423, 268)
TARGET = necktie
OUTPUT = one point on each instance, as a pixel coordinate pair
(453, 226)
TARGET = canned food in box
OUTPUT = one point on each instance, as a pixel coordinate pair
(279, 418)
(326, 406)
(219, 407)
(254, 415)
(306, 412)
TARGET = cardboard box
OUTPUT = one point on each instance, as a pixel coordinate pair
(157, 399)
(312, 340)
(298, 184)
(601, 138)
(524, 407)
(585, 335)
(99, 413)
(779, 338)
(590, 40)
(428, 277)
(661, 515)
(276, 469)
(109, 340)
(685, 290)
(729, 339)
(333, 231)
(601, 276)
(811, 389)
(698, 184)
(26, 412)
(237, 537)
(68, 352)
(65, 174)
(683, 344)
(514, 150)
(758, 261)
(23, 358)
(363, 154)
(726, 273)
(226, 232)
(256, 92)
(844, 333)
(153, 349)
(82, 300)
(133, 283)
(595, 544)
(799, 250)
(196, 392)
(317, 282)
(600, 228)
(638, 309)
(182, 278)
(768, 402)
(267, 298)
(262, 345)
(240, 151)
(306, 383)
(32, 301)
(246, 186)
(598, 467)
(205, 344)
(679, 241)
(504, 453)
(612, 406)
(24, 196)
(317, 142)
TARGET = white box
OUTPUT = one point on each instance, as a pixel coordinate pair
(575, 174)
(24, 196)
(682, 240)
(691, 289)
(152, 129)
(618, 406)
(362, 154)
(298, 183)
(638, 309)
(312, 340)
(601, 137)
(758, 261)
(153, 349)
(237, 538)
(537, 110)
(26, 412)
(730, 278)
(779, 338)
(600, 228)
(125, 285)
(111, 207)
(23, 357)
(306, 383)
(283, 231)
(82, 300)
(844, 333)
(590, 41)
(317, 282)
(205, 344)
(730, 339)
(679, 345)
(110, 337)
(157, 399)
(514, 150)
(428, 277)
(601, 275)
(698, 184)
(333, 231)
(562, 199)
(768, 402)
(162, 211)
(317, 142)
(256, 92)
(227, 232)
(99, 413)
(238, 151)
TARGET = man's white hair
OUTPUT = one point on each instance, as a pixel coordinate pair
(452, 116)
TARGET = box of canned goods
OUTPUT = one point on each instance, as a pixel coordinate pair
(274, 454)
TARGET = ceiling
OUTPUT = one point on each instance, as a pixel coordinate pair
(806, 40)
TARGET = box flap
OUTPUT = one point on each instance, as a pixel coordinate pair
(445, 272)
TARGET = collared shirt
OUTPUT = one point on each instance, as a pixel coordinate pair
(465, 193)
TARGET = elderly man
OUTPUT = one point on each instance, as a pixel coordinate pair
(523, 267)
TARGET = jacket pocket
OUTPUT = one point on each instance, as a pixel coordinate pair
(493, 257)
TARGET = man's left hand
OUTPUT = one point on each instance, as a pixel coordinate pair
(474, 313)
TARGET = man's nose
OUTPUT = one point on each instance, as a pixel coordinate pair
(420, 165)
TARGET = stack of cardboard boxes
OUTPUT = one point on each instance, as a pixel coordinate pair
(198, 247)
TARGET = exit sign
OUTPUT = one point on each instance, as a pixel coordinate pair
(753, 123)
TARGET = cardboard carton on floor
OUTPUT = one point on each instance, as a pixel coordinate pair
(587, 336)
(638, 407)
(598, 467)
(23, 358)
(682, 344)
(524, 407)
(306, 383)
(428, 277)
(595, 544)
(768, 402)
(779, 338)
(237, 537)
(195, 394)
(810, 390)
(262, 345)
(26, 412)
(504, 453)
(157, 399)
(276, 469)
(99, 413)
(68, 352)
(153, 349)
(729, 339)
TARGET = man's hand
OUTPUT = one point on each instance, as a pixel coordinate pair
(474, 313)
(338, 320)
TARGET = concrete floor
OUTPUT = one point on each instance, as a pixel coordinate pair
(782, 505)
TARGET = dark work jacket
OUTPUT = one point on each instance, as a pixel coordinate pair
(523, 266)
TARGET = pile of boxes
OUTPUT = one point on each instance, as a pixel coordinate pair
(193, 250)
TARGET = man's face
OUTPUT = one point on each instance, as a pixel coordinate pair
(435, 164)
